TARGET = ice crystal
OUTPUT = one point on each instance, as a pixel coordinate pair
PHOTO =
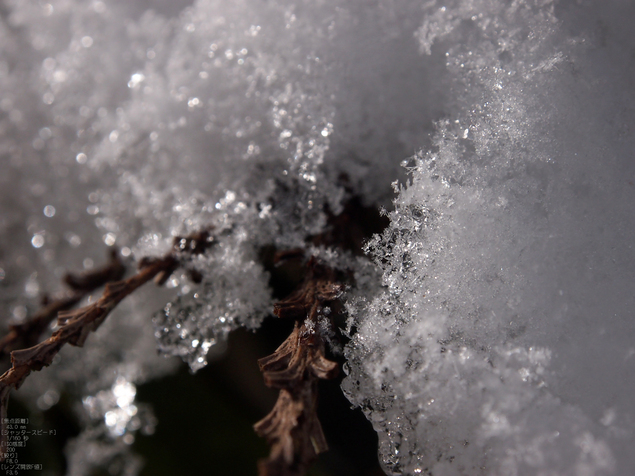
(496, 273)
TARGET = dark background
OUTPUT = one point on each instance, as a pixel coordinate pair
(205, 419)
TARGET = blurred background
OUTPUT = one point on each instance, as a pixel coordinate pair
(204, 421)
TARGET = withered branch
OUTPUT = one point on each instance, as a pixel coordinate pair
(75, 325)
(28, 333)
(292, 428)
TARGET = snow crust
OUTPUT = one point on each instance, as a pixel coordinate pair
(492, 333)
(503, 342)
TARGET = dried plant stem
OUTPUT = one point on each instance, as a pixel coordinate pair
(23, 335)
(28, 333)
(292, 428)
(77, 324)
(75, 327)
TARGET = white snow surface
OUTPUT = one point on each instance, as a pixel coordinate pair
(503, 341)
(500, 339)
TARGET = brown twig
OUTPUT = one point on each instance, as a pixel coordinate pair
(292, 428)
(88, 281)
(75, 325)
(28, 333)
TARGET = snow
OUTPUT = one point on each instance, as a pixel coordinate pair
(509, 279)
(491, 334)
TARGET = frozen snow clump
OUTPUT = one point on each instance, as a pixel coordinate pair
(503, 341)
